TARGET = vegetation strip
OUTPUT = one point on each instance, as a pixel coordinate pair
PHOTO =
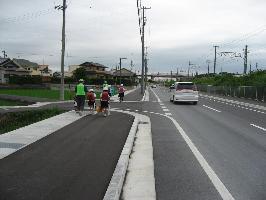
(15, 120)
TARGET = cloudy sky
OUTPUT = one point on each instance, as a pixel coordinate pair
(177, 31)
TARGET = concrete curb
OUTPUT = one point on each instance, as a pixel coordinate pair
(115, 186)
(146, 96)
(129, 168)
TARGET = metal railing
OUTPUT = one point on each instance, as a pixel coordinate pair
(257, 93)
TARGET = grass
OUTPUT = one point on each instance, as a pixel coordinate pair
(4, 102)
(41, 93)
(12, 121)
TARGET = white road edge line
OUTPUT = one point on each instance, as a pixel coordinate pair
(159, 100)
(212, 108)
(264, 129)
(218, 184)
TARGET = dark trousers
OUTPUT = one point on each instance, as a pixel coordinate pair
(80, 102)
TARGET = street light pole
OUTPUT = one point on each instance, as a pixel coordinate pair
(120, 61)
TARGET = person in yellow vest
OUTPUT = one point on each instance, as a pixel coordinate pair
(81, 92)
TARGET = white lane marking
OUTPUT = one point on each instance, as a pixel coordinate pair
(264, 129)
(168, 113)
(211, 108)
(127, 109)
(164, 107)
(145, 111)
(218, 184)
(236, 102)
(166, 110)
(159, 100)
(152, 112)
(137, 110)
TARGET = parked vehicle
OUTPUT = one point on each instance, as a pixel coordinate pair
(184, 92)
(154, 86)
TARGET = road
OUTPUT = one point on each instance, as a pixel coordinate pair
(213, 150)
(230, 137)
(225, 137)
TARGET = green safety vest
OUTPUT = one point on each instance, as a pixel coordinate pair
(80, 89)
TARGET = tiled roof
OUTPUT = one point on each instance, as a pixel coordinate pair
(93, 64)
(2, 60)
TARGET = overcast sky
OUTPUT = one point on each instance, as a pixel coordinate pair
(177, 31)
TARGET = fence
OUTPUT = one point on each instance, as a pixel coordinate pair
(247, 92)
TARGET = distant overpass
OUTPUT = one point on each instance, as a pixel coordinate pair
(165, 75)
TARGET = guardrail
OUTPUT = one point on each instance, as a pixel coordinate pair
(248, 92)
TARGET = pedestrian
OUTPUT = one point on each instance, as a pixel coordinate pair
(105, 84)
(109, 90)
(91, 97)
(81, 92)
(121, 92)
(105, 98)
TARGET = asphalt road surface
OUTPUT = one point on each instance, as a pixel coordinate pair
(76, 162)
(231, 138)
(233, 147)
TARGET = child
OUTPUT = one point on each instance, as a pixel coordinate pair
(105, 101)
(91, 96)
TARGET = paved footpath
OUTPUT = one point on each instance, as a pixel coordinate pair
(75, 162)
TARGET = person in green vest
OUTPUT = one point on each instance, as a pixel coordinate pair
(105, 84)
(81, 92)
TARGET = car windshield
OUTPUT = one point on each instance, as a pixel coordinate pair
(188, 86)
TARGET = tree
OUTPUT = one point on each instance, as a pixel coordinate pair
(79, 73)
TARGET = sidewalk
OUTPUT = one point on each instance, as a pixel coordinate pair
(72, 162)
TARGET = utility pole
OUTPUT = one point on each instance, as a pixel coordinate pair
(131, 68)
(208, 62)
(215, 53)
(143, 41)
(246, 59)
(256, 66)
(4, 53)
(120, 60)
(189, 64)
(177, 74)
(146, 68)
(63, 8)
(250, 68)
(171, 74)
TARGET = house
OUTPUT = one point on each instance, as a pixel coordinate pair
(96, 70)
(9, 68)
(34, 68)
(125, 74)
(44, 70)
(71, 69)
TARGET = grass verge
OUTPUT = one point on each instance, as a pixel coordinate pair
(12, 121)
(4, 102)
(41, 93)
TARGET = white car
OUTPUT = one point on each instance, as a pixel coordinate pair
(154, 86)
(185, 92)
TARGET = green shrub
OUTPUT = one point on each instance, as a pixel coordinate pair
(15, 120)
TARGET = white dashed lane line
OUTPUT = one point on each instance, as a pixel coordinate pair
(253, 108)
(259, 127)
(212, 108)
